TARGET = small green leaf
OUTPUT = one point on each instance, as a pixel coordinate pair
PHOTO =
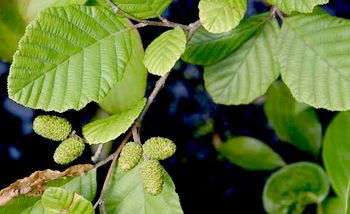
(70, 56)
(250, 154)
(12, 28)
(291, 188)
(336, 153)
(162, 54)
(132, 88)
(315, 71)
(248, 72)
(85, 185)
(219, 16)
(57, 200)
(302, 6)
(143, 9)
(333, 205)
(109, 128)
(125, 189)
(206, 48)
(30, 9)
(293, 122)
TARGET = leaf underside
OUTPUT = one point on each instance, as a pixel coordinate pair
(70, 56)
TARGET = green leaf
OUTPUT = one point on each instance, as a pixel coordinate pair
(303, 6)
(162, 54)
(12, 28)
(333, 205)
(250, 154)
(109, 128)
(125, 194)
(206, 48)
(336, 153)
(218, 16)
(145, 9)
(30, 9)
(291, 188)
(248, 72)
(347, 207)
(70, 56)
(313, 54)
(85, 185)
(57, 200)
(293, 122)
(127, 92)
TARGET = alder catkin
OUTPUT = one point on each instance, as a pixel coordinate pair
(52, 127)
(130, 156)
(159, 148)
(152, 176)
(69, 150)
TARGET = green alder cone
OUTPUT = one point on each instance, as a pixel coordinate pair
(52, 127)
(69, 150)
(130, 156)
(159, 148)
(152, 176)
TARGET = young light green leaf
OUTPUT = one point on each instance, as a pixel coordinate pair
(248, 72)
(58, 200)
(219, 16)
(333, 205)
(109, 128)
(125, 194)
(315, 71)
(293, 187)
(143, 9)
(127, 92)
(12, 28)
(85, 185)
(250, 154)
(336, 153)
(293, 122)
(162, 54)
(70, 56)
(30, 9)
(206, 48)
(302, 6)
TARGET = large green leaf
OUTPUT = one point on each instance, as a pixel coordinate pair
(12, 28)
(127, 92)
(250, 154)
(58, 200)
(125, 194)
(85, 185)
(206, 48)
(333, 205)
(293, 122)
(70, 56)
(109, 128)
(313, 54)
(30, 9)
(143, 9)
(162, 54)
(294, 186)
(303, 6)
(248, 72)
(218, 16)
(336, 153)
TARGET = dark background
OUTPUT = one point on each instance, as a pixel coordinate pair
(184, 112)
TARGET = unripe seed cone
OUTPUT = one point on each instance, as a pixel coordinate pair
(52, 127)
(69, 150)
(152, 176)
(130, 156)
(159, 148)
